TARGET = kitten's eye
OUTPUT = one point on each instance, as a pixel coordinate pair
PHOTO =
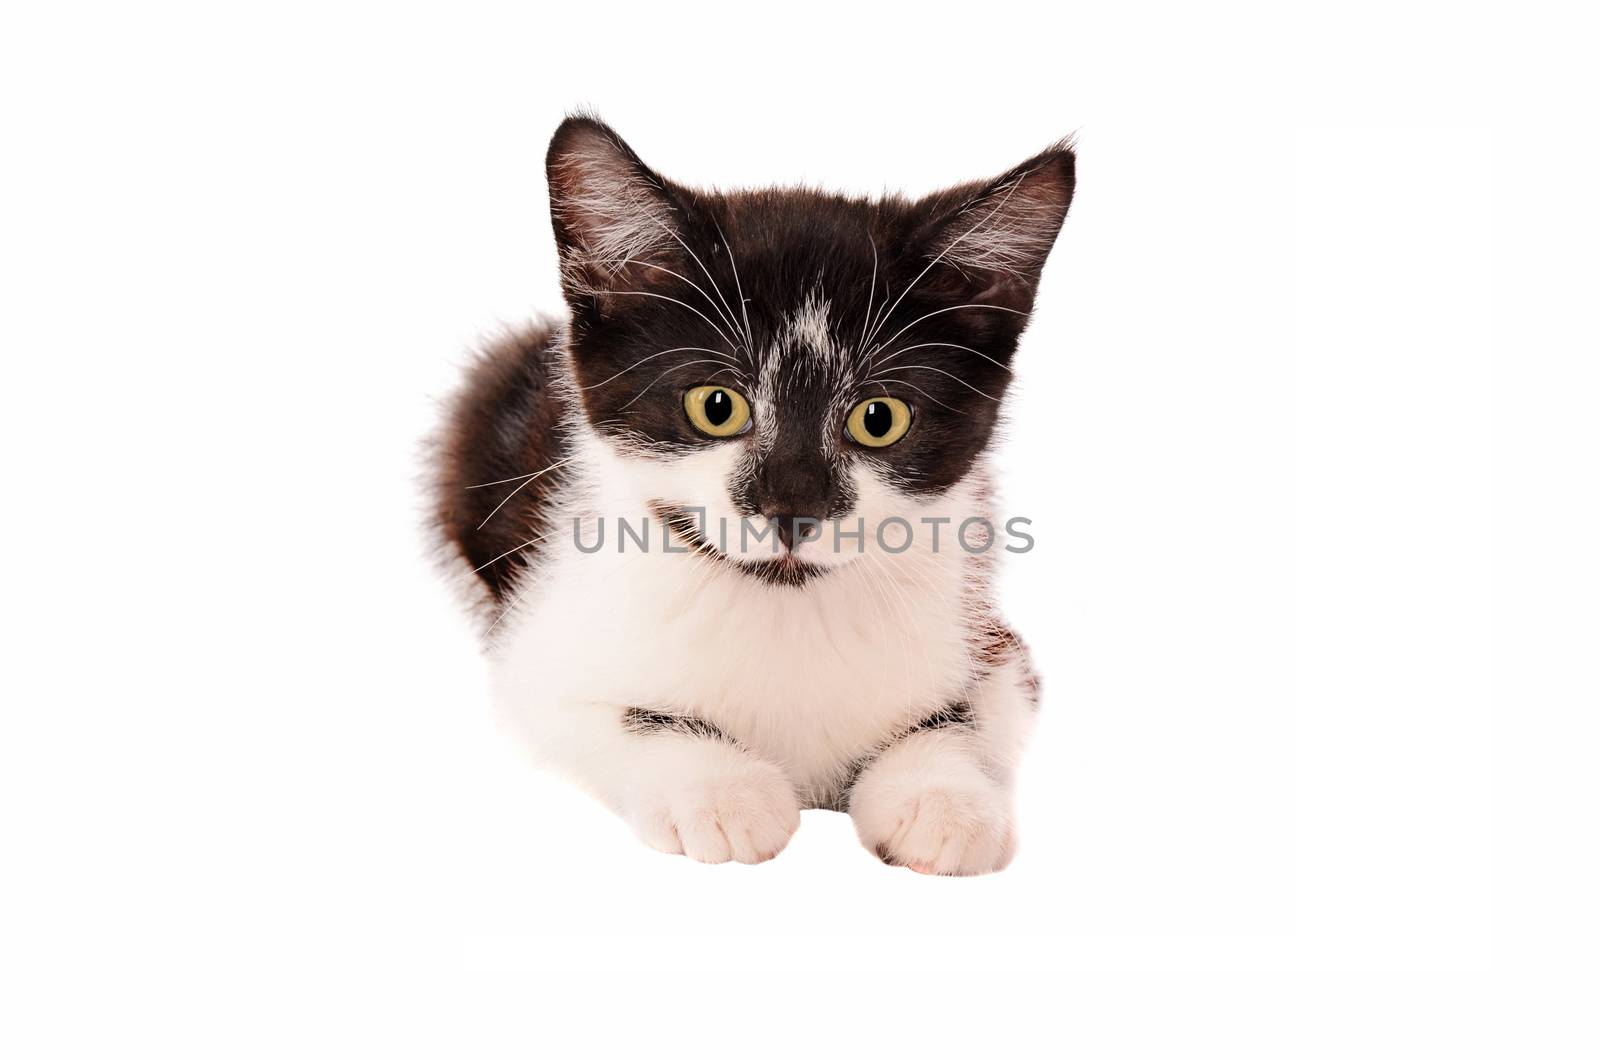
(717, 411)
(879, 422)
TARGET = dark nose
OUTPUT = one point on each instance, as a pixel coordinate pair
(796, 492)
(796, 529)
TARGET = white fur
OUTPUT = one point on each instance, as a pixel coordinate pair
(928, 804)
(807, 332)
(809, 679)
(709, 800)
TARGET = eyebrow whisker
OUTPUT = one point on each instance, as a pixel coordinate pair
(947, 309)
(941, 371)
(663, 375)
(714, 285)
(1015, 184)
(653, 356)
(950, 345)
(924, 393)
(744, 309)
(872, 291)
(662, 268)
(651, 294)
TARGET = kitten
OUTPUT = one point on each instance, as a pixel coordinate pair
(825, 368)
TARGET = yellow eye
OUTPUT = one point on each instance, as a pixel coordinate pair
(717, 411)
(879, 422)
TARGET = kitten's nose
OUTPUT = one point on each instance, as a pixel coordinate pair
(796, 491)
(794, 530)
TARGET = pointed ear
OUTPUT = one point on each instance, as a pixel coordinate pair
(616, 221)
(992, 239)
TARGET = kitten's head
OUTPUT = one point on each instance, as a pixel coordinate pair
(791, 355)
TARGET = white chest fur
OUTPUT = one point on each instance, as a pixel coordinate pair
(810, 676)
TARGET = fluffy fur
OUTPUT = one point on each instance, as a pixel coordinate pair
(704, 686)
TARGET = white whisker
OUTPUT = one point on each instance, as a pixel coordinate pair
(743, 309)
(653, 356)
(510, 551)
(872, 291)
(952, 245)
(512, 606)
(514, 492)
(662, 268)
(690, 251)
(663, 375)
(513, 478)
(946, 309)
(651, 294)
(950, 345)
(924, 393)
(941, 371)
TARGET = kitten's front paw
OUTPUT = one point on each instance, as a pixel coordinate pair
(715, 803)
(933, 812)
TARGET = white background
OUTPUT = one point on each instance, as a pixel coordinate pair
(1306, 423)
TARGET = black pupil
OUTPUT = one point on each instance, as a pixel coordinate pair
(719, 406)
(877, 419)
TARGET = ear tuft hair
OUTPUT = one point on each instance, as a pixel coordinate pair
(609, 209)
(1004, 229)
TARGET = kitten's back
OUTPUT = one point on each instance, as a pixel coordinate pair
(501, 435)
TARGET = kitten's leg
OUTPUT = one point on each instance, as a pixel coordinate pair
(938, 798)
(684, 786)
(696, 791)
(927, 802)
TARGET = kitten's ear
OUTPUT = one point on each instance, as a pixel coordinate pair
(615, 220)
(991, 240)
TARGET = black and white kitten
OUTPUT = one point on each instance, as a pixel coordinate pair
(827, 368)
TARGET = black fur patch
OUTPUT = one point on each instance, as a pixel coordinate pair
(997, 644)
(644, 722)
(503, 427)
(953, 715)
(946, 718)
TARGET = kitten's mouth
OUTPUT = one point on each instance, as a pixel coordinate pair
(784, 569)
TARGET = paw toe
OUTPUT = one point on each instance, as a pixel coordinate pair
(746, 817)
(704, 838)
(946, 833)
